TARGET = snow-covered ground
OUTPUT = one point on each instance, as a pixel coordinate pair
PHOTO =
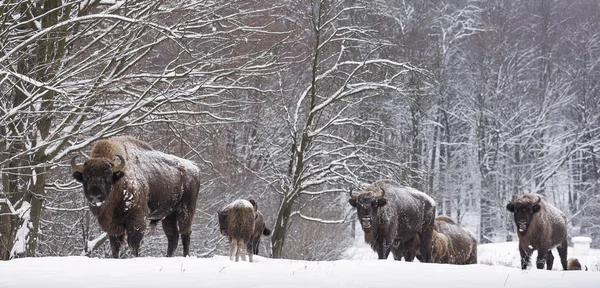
(218, 271)
(362, 270)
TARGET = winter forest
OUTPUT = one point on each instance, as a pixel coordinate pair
(297, 103)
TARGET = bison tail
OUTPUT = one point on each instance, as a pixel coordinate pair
(266, 232)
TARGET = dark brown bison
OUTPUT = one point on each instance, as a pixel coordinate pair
(259, 229)
(236, 221)
(126, 183)
(392, 216)
(462, 245)
(541, 227)
(573, 264)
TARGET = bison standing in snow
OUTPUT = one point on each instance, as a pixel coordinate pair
(236, 220)
(462, 245)
(126, 183)
(541, 227)
(392, 216)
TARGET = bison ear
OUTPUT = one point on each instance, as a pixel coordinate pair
(254, 204)
(78, 176)
(536, 208)
(352, 202)
(381, 202)
(510, 207)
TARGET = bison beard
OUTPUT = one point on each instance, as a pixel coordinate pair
(540, 226)
(392, 216)
(126, 183)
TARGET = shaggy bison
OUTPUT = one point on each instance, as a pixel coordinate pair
(126, 183)
(541, 227)
(392, 216)
(462, 245)
(236, 220)
(259, 229)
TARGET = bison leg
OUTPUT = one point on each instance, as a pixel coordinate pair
(233, 249)
(410, 255)
(256, 244)
(243, 250)
(115, 244)
(184, 219)
(562, 253)
(425, 245)
(525, 258)
(169, 225)
(549, 260)
(540, 261)
(134, 239)
(381, 251)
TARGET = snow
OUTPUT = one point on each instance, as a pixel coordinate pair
(238, 203)
(20, 243)
(219, 271)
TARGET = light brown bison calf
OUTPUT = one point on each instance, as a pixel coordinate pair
(440, 250)
(541, 227)
(236, 221)
(573, 264)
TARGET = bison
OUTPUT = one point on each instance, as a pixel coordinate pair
(462, 245)
(573, 264)
(259, 229)
(541, 227)
(236, 220)
(392, 216)
(440, 248)
(126, 183)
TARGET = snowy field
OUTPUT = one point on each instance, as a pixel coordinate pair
(360, 271)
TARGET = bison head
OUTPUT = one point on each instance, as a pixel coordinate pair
(367, 206)
(523, 211)
(222, 215)
(98, 176)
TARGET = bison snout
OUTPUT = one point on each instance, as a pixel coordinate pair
(522, 226)
(366, 223)
(96, 200)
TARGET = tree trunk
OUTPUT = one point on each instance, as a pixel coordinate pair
(280, 229)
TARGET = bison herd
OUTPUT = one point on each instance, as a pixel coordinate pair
(127, 184)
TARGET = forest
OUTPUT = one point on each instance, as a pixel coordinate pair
(295, 104)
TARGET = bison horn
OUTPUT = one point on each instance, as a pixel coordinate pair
(351, 193)
(382, 192)
(121, 166)
(78, 168)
